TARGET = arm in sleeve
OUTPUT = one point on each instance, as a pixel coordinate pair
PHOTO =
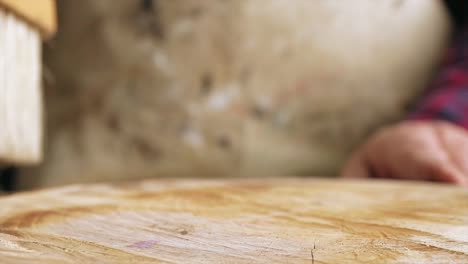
(447, 98)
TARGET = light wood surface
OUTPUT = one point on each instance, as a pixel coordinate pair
(238, 221)
(40, 13)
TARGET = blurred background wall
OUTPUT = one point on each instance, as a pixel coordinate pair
(235, 88)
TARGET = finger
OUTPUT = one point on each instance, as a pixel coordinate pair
(448, 173)
(456, 145)
(355, 168)
(410, 165)
(454, 140)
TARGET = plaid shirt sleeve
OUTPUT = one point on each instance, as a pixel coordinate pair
(447, 98)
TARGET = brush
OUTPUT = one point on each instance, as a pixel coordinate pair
(23, 24)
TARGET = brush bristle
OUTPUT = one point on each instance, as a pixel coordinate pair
(20, 93)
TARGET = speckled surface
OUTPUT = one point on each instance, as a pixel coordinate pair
(227, 88)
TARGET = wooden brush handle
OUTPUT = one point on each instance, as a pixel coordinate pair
(40, 13)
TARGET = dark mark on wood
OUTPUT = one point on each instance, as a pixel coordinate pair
(113, 122)
(149, 19)
(206, 83)
(258, 111)
(224, 142)
(196, 12)
(147, 5)
(146, 149)
(312, 256)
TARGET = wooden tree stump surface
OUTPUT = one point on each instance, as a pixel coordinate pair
(286, 220)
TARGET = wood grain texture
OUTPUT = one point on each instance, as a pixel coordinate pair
(237, 221)
(40, 13)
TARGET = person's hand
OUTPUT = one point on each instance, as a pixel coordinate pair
(414, 150)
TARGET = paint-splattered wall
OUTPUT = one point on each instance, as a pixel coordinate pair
(232, 88)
